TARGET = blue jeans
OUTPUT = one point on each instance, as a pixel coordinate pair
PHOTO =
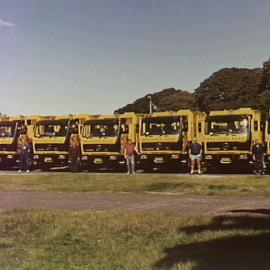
(25, 159)
(130, 160)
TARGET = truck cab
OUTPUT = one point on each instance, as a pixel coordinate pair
(10, 128)
(103, 139)
(164, 138)
(51, 140)
(229, 136)
(267, 142)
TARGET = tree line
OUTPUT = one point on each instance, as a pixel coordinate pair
(228, 88)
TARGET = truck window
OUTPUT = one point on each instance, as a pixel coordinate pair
(161, 126)
(228, 124)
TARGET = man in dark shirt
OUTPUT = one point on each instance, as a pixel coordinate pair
(24, 146)
(258, 157)
(195, 155)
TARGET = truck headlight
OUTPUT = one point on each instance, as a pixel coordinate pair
(243, 156)
(208, 157)
(9, 156)
(174, 156)
(62, 157)
(143, 157)
(112, 157)
(36, 157)
(84, 157)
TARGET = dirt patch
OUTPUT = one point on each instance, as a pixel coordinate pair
(133, 202)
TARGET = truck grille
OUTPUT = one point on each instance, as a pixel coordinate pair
(101, 148)
(161, 146)
(51, 147)
(7, 147)
(228, 146)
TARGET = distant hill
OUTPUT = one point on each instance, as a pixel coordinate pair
(228, 88)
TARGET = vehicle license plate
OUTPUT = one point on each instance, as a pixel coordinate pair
(48, 159)
(159, 160)
(225, 160)
(98, 161)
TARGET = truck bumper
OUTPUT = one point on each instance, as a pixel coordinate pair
(50, 160)
(110, 161)
(230, 159)
(9, 160)
(163, 160)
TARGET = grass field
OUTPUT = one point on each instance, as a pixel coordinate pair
(246, 185)
(100, 241)
(52, 239)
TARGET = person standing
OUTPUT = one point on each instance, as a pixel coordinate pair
(74, 151)
(195, 155)
(129, 154)
(24, 151)
(258, 157)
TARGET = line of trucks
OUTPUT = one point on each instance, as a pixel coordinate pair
(162, 138)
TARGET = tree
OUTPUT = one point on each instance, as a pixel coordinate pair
(229, 88)
(165, 100)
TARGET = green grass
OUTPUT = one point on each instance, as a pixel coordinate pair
(67, 240)
(238, 185)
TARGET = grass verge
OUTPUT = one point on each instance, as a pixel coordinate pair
(100, 241)
(246, 185)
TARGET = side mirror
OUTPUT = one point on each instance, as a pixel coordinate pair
(185, 127)
(200, 127)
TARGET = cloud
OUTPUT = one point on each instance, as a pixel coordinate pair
(6, 23)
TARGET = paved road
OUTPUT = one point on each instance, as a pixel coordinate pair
(133, 202)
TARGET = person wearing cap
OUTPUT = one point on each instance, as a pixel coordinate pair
(129, 154)
(195, 155)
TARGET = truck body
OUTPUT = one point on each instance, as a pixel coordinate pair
(229, 136)
(164, 137)
(267, 142)
(10, 128)
(103, 139)
(51, 140)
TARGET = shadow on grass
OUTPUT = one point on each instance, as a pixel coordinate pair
(246, 252)
(252, 211)
(158, 187)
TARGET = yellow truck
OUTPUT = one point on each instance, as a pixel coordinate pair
(267, 142)
(164, 137)
(103, 139)
(51, 140)
(9, 132)
(229, 136)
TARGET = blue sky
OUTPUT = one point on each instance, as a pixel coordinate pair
(75, 56)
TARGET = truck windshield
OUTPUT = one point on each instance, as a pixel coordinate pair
(101, 128)
(161, 126)
(7, 130)
(52, 129)
(231, 124)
